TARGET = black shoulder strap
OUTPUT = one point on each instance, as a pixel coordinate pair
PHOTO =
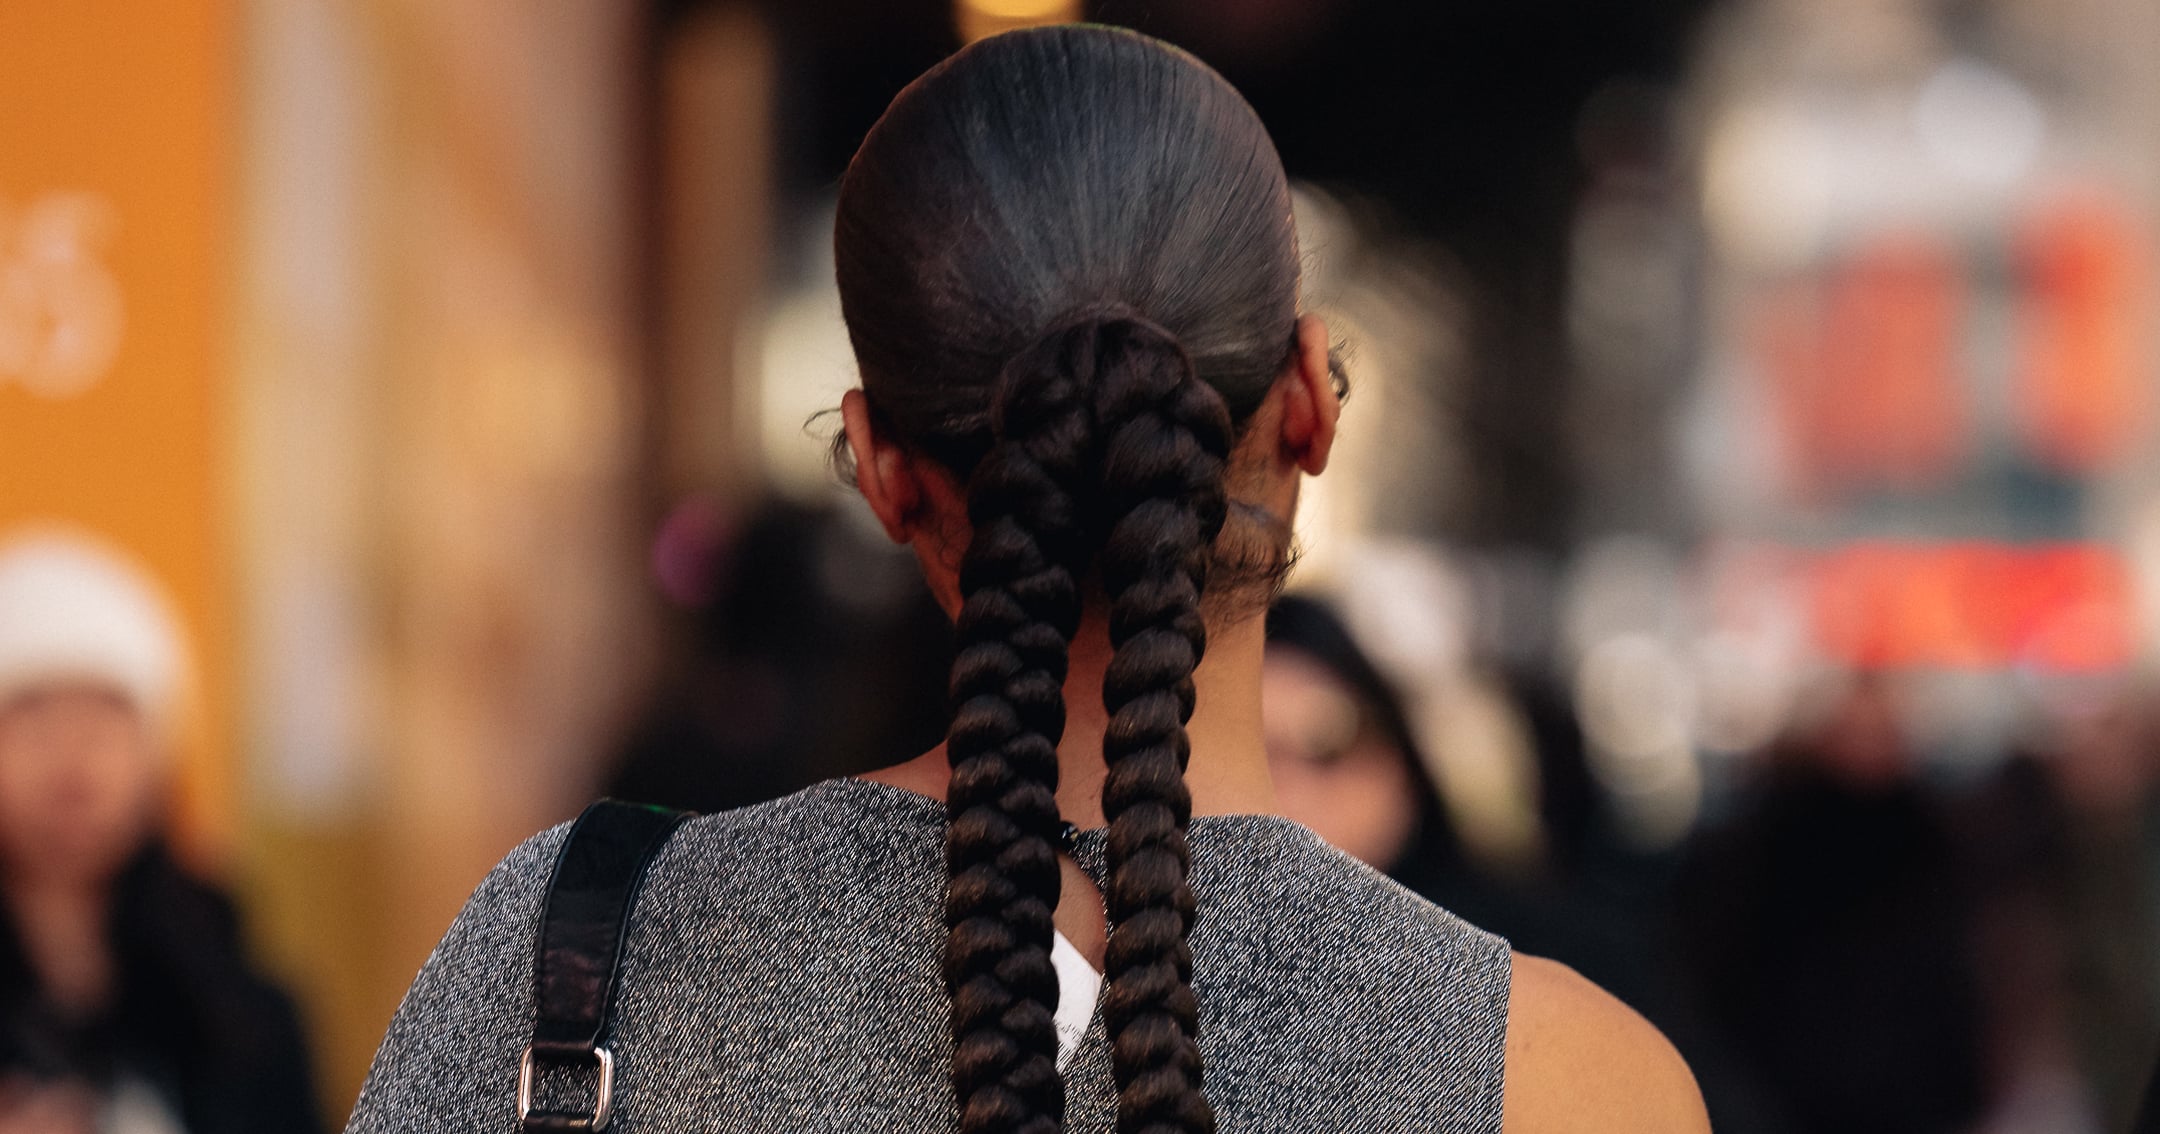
(579, 950)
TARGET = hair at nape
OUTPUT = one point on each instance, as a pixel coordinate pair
(1069, 272)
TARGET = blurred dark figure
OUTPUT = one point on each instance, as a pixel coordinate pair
(1344, 760)
(1599, 902)
(2148, 1117)
(1822, 939)
(2065, 844)
(127, 1005)
(1347, 764)
(815, 651)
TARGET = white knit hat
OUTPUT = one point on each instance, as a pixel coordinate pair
(73, 609)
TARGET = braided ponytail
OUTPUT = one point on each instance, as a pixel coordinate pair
(1158, 485)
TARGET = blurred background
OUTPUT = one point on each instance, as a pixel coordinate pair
(1740, 577)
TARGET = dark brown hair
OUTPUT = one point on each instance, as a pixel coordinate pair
(1069, 272)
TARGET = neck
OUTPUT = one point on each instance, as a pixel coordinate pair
(1228, 772)
(62, 926)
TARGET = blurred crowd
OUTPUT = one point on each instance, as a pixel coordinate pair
(1845, 943)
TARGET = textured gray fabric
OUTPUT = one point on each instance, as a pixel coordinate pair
(781, 975)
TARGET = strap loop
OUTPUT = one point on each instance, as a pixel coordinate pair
(603, 1097)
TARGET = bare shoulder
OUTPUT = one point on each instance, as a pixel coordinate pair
(1580, 1060)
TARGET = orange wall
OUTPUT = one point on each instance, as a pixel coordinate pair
(128, 102)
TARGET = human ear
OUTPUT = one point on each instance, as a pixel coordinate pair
(1310, 408)
(883, 472)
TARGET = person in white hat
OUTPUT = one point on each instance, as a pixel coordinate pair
(91, 664)
(126, 1003)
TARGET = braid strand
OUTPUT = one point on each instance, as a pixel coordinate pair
(1166, 441)
(1020, 606)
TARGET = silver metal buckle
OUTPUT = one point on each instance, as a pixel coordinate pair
(603, 1102)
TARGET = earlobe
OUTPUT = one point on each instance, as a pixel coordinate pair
(882, 471)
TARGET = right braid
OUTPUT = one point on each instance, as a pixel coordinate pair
(1020, 605)
(1166, 440)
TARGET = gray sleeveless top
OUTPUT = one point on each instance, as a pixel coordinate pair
(781, 975)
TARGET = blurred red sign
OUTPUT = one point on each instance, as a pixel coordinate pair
(2059, 607)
